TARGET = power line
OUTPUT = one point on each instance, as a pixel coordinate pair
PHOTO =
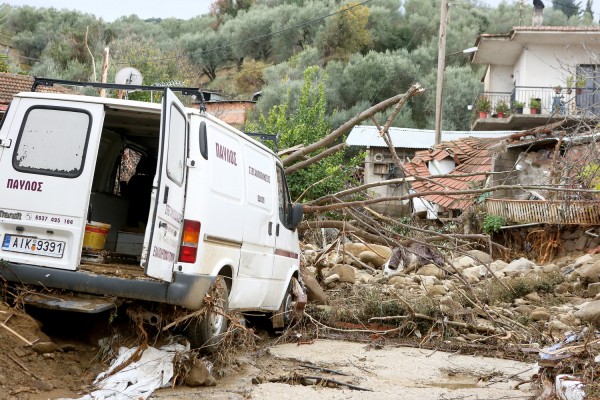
(246, 40)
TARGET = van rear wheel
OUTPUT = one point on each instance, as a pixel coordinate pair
(207, 332)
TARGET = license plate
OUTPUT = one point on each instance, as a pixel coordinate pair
(30, 245)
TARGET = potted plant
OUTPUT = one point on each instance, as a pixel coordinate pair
(580, 84)
(518, 106)
(502, 108)
(535, 104)
(570, 84)
(483, 106)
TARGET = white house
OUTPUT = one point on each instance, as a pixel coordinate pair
(555, 65)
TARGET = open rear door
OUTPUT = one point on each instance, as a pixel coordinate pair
(161, 245)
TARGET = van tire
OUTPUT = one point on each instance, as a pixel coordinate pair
(284, 317)
(207, 333)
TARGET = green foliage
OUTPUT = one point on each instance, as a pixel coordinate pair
(535, 103)
(502, 106)
(590, 176)
(346, 32)
(492, 224)
(483, 104)
(568, 7)
(517, 104)
(306, 124)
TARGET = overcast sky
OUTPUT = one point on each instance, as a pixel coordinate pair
(110, 10)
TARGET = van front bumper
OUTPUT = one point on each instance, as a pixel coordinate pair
(185, 290)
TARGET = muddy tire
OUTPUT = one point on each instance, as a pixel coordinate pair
(207, 333)
(284, 317)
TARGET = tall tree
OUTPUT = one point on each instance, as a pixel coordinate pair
(346, 32)
(568, 7)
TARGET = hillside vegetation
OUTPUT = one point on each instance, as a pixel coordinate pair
(366, 51)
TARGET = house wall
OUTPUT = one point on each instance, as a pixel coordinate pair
(377, 171)
(442, 167)
(500, 79)
(503, 163)
(231, 112)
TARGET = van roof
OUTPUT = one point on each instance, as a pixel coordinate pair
(131, 105)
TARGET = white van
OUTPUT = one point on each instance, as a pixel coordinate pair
(215, 208)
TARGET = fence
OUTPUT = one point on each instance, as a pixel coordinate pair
(567, 212)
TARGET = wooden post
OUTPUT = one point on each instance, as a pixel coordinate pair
(104, 72)
(439, 90)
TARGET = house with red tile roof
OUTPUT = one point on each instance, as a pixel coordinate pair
(11, 84)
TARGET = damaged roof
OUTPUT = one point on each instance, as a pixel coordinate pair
(472, 155)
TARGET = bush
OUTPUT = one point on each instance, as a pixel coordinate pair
(492, 224)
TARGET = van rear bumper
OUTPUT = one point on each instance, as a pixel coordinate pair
(185, 290)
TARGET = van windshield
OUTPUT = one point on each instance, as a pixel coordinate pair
(53, 141)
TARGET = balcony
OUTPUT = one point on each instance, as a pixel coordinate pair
(555, 105)
(573, 212)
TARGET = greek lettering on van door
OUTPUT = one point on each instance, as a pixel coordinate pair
(21, 184)
(226, 154)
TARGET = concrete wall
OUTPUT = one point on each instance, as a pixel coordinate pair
(501, 79)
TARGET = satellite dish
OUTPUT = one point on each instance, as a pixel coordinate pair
(129, 76)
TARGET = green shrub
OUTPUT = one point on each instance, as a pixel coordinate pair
(492, 223)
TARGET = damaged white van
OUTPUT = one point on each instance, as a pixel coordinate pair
(207, 205)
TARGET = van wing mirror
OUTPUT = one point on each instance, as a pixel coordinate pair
(297, 211)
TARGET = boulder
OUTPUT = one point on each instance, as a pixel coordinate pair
(466, 262)
(371, 257)
(355, 248)
(396, 280)
(498, 265)
(347, 273)
(314, 291)
(533, 297)
(436, 290)
(476, 272)
(589, 273)
(431, 270)
(200, 376)
(589, 312)
(557, 326)
(581, 243)
(584, 259)
(540, 314)
(551, 269)
(518, 267)
(45, 347)
(480, 257)
(364, 277)
(331, 279)
(523, 309)
(593, 289)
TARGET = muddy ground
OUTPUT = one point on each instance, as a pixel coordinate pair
(65, 358)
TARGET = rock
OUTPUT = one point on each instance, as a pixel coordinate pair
(540, 314)
(331, 279)
(523, 309)
(568, 319)
(200, 376)
(45, 347)
(533, 297)
(364, 277)
(593, 289)
(589, 273)
(19, 352)
(74, 370)
(436, 290)
(580, 243)
(314, 291)
(498, 265)
(431, 270)
(589, 312)
(373, 258)
(480, 257)
(557, 326)
(356, 248)
(466, 262)
(43, 386)
(476, 272)
(562, 288)
(346, 273)
(396, 280)
(426, 280)
(551, 269)
(584, 259)
(522, 264)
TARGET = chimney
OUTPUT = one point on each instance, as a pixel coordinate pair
(538, 12)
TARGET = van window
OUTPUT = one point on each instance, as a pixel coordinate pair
(53, 141)
(176, 150)
(284, 197)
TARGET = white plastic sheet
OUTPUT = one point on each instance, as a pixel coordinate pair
(139, 379)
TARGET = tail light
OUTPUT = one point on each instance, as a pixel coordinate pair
(189, 241)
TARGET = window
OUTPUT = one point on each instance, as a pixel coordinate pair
(284, 198)
(53, 141)
(176, 150)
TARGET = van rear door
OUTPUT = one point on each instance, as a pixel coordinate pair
(161, 243)
(46, 168)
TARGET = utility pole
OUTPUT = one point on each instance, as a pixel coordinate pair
(439, 90)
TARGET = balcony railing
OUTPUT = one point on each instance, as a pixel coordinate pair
(545, 211)
(556, 101)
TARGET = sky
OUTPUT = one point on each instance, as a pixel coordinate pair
(110, 10)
